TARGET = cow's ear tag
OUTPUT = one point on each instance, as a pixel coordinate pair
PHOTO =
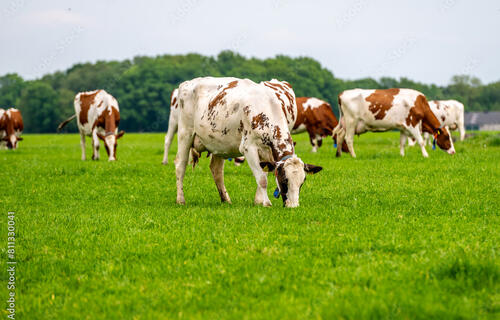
(276, 193)
(335, 145)
(434, 144)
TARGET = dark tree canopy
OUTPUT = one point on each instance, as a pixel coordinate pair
(143, 85)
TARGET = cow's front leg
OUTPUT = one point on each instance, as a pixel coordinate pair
(402, 142)
(217, 168)
(82, 144)
(95, 145)
(252, 156)
(415, 132)
(427, 140)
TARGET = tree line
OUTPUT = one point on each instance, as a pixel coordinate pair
(143, 86)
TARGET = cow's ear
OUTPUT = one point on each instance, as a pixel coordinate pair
(312, 169)
(6, 138)
(267, 166)
(120, 134)
(19, 138)
(100, 136)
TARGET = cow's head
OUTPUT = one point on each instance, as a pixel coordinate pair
(290, 174)
(12, 141)
(110, 142)
(442, 137)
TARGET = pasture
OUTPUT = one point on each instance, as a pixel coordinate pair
(379, 236)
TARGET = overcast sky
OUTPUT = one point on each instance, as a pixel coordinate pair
(425, 40)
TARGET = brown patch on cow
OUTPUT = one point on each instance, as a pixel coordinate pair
(437, 104)
(287, 84)
(225, 131)
(381, 102)
(240, 128)
(219, 98)
(414, 116)
(279, 90)
(260, 121)
(86, 100)
(173, 100)
(443, 118)
(300, 112)
(246, 110)
(277, 133)
(16, 119)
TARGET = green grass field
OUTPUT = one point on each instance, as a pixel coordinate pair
(379, 236)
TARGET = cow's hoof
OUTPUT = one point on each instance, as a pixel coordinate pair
(266, 203)
(164, 163)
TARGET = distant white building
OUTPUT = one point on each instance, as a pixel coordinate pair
(484, 121)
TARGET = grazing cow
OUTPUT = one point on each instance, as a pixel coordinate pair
(317, 118)
(241, 118)
(382, 110)
(11, 127)
(98, 116)
(450, 114)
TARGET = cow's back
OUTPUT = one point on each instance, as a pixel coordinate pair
(90, 105)
(379, 107)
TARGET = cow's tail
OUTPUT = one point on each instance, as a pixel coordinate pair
(65, 122)
(338, 128)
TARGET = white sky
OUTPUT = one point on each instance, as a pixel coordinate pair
(425, 40)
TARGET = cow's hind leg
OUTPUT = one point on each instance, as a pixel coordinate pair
(172, 129)
(339, 131)
(82, 144)
(217, 168)
(349, 136)
(252, 156)
(402, 142)
(185, 140)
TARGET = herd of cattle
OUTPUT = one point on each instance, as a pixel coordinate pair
(241, 119)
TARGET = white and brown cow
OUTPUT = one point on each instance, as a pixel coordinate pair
(450, 114)
(382, 110)
(317, 118)
(98, 116)
(11, 127)
(241, 118)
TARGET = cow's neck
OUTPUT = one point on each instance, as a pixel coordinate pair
(281, 150)
(10, 127)
(431, 123)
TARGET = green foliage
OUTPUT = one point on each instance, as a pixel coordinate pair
(143, 86)
(376, 237)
